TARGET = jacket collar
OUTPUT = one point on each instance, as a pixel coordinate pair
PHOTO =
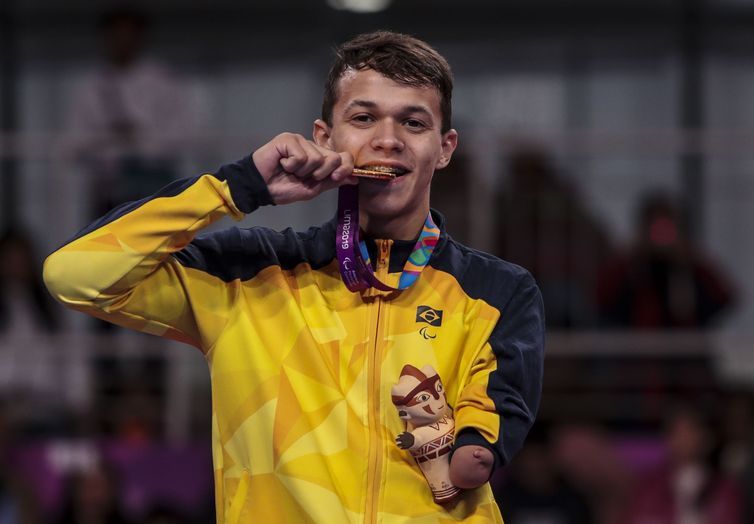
(401, 249)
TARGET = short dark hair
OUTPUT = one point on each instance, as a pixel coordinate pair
(402, 58)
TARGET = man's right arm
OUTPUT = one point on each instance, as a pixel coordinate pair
(120, 269)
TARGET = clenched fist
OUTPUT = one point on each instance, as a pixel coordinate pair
(296, 169)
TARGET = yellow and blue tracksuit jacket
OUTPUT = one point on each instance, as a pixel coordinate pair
(301, 368)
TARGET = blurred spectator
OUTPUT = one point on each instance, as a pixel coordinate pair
(25, 306)
(127, 120)
(93, 497)
(545, 227)
(28, 368)
(137, 414)
(688, 488)
(16, 503)
(536, 493)
(663, 280)
(129, 397)
(588, 459)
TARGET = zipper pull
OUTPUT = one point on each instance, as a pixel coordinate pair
(383, 259)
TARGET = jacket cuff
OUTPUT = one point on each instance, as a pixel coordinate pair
(469, 437)
(247, 187)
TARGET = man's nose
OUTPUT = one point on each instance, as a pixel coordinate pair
(387, 137)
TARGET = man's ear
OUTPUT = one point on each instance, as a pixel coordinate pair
(322, 134)
(449, 144)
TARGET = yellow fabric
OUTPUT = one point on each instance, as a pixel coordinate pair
(301, 368)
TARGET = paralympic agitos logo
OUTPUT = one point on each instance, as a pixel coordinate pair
(431, 316)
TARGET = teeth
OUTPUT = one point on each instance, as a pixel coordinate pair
(385, 169)
(368, 173)
(379, 170)
(365, 173)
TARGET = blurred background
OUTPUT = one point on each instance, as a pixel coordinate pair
(605, 146)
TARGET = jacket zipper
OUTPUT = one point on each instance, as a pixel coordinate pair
(375, 457)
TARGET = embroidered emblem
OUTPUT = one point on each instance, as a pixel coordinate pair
(431, 316)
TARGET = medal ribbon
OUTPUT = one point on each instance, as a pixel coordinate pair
(353, 256)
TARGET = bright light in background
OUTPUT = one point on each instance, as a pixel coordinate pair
(359, 6)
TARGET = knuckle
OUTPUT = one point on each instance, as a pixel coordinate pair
(317, 159)
(290, 137)
(297, 160)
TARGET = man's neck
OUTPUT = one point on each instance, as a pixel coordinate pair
(395, 228)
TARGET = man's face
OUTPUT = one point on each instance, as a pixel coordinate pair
(384, 123)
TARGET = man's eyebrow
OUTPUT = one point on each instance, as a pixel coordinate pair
(417, 109)
(360, 103)
(407, 110)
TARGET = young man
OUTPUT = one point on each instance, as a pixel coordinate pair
(302, 367)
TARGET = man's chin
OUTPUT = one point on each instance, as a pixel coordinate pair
(382, 209)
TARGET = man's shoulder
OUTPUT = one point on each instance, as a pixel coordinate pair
(463, 259)
(240, 253)
(482, 275)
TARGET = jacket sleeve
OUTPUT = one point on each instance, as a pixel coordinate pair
(499, 401)
(120, 267)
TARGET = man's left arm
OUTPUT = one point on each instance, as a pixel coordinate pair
(499, 401)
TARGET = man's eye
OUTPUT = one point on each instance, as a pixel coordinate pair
(415, 124)
(362, 118)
